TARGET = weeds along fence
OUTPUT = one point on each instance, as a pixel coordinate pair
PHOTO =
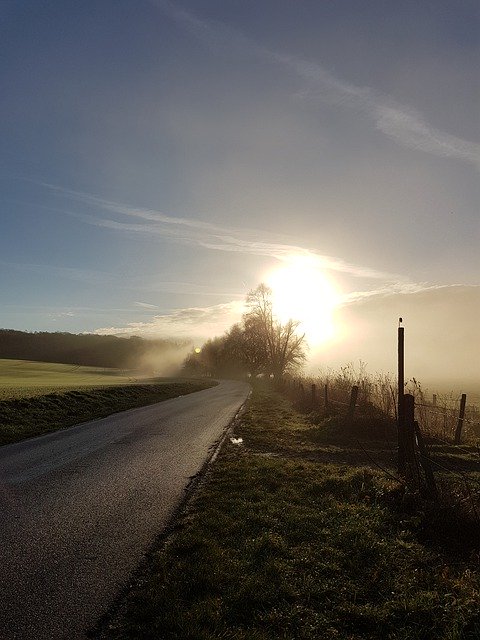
(438, 414)
(433, 440)
(431, 466)
(431, 471)
(333, 389)
(447, 417)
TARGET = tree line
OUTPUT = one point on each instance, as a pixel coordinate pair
(259, 345)
(84, 349)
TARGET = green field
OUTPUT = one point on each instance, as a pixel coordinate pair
(25, 379)
(40, 397)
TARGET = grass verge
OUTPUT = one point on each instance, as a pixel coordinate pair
(22, 418)
(278, 544)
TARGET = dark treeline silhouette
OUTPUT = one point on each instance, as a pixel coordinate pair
(86, 349)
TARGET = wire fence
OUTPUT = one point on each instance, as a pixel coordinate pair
(435, 468)
(438, 418)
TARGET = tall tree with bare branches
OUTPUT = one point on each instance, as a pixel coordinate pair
(260, 344)
(279, 346)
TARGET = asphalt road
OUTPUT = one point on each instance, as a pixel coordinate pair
(80, 507)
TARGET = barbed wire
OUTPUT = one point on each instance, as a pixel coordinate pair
(445, 410)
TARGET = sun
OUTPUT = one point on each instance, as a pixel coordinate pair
(301, 291)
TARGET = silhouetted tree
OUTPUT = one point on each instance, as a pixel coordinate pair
(260, 344)
(276, 346)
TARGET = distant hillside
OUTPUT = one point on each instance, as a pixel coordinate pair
(89, 349)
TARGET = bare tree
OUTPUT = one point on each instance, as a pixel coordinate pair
(278, 346)
(259, 344)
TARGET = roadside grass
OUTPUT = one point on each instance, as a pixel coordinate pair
(25, 417)
(279, 543)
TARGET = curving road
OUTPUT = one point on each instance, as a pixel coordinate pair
(80, 507)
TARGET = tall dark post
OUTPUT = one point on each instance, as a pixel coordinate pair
(401, 397)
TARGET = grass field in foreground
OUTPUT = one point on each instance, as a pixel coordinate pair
(278, 544)
(38, 398)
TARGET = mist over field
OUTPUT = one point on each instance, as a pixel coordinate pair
(160, 356)
(441, 334)
(442, 344)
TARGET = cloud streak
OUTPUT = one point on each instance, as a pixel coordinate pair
(147, 283)
(87, 276)
(145, 305)
(189, 323)
(200, 323)
(190, 231)
(401, 123)
(401, 288)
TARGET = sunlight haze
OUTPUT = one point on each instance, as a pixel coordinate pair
(301, 290)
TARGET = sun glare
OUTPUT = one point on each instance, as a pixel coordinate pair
(301, 291)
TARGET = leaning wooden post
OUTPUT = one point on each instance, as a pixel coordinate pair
(461, 417)
(353, 402)
(314, 394)
(401, 403)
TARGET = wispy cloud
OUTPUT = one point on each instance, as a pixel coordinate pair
(399, 122)
(148, 215)
(398, 288)
(189, 323)
(410, 129)
(62, 315)
(146, 305)
(88, 276)
(197, 232)
(147, 283)
(200, 323)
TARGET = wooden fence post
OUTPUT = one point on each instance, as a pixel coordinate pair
(314, 394)
(325, 395)
(353, 402)
(401, 403)
(461, 416)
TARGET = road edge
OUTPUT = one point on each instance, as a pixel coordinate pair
(137, 577)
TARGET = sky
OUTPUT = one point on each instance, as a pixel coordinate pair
(161, 159)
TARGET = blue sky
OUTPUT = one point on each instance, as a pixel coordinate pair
(158, 158)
